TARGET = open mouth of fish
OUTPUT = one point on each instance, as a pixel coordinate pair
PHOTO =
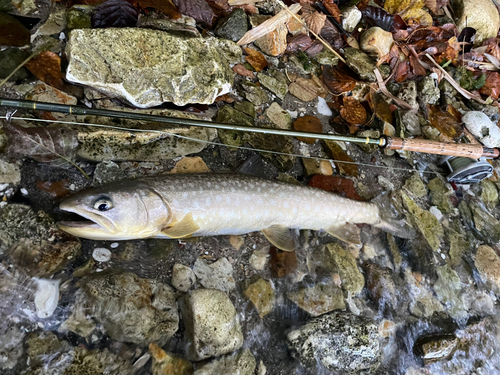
(83, 221)
(80, 224)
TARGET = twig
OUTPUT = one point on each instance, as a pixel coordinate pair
(19, 67)
(466, 94)
(386, 92)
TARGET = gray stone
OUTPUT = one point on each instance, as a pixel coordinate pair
(422, 301)
(319, 299)
(44, 349)
(352, 279)
(107, 171)
(131, 309)
(488, 227)
(350, 18)
(361, 63)
(183, 277)
(482, 15)
(448, 290)
(327, 57)
(241, 363)
(254, 93)
(376, 42)
(411, 123)
(218, 275)
(340, 342)
(261, 294)
(408, 93)
(234, 26)
(380, 284)
(11, 346)
(10, 173)
(276, 82)
(428, 92)
(415, 186)
(489, 193)
(279, 116)
(212, 324)
(487, 132)
(130, 63)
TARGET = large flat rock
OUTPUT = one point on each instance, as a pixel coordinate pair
(148, 67)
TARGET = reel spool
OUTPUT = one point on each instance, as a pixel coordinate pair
(465, 170)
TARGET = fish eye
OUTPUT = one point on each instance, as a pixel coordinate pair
(103, 204)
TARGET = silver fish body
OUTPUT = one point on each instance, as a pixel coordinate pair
(176, 206)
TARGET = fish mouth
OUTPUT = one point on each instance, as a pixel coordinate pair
(92, 226)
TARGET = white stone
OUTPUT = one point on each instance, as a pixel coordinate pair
(46, 297)
(10, 173)
(376, 42)
(218, 275)
(350, 18)
(323, 108)
(101, 254)
(183, 277)
(436, 212)
(481, 15)
(482, 128)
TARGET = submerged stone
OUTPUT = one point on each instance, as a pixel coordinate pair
(415, 186)
(448, 288)
(167, 363)
(440, 195)
(488, 227)
(319, 299)
(241, 363)
(218, 275)
(340, 342)
(148, 67)
(488, 265)
(254, 93)
(352, 279)
(261, 294)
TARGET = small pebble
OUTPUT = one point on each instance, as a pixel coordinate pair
(24, 191)
(101, 254)
(114, 245)
(323, 108)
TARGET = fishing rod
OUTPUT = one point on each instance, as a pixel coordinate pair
(466, 161)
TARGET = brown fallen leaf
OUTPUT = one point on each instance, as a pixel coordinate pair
(242, 71)
(380, 107)
(306, 89)
(164, 6)
(409, 9)
(492, 85)
(47, 67)
(314, 19)
(309, 124)
(338, 155)
(12, 32)
(198, 9)
(333, 9)
(335, 184)
(448, 122)
(57, 189)
(224, 98)
(353, 112)
(338, 80)
(282, 262)
(256, 59)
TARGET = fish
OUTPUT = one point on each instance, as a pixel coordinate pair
(176, 206)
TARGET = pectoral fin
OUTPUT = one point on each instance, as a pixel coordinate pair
(280, 237)
(183, 228)
(347, 233)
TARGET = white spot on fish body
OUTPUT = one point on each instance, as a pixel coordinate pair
(286, 205)
(208, 201)
(185, 194)
(218, 198)
(294, 210)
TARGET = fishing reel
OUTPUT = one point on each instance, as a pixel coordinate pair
(465, 170)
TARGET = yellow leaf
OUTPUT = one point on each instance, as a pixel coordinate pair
(409, 9)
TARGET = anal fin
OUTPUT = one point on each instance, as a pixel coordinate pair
(183, 228)
(349, 233)
(280, 237)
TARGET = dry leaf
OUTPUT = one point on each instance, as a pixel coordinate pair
(448, 123)
(333, 9)
(282, 263)
(338, 80)
(12, 32)
(47, 67)
(165, 6)
(114, 13)
(41, 144)
(338, 155)
(198, 9)
(309, 124)
(380, 107)
(256, 59)
(57, 189)
(353, 112)
(242, 71)
(269, 25)
(306, 89)
(492, 85)
(335, 184)
(314, 21)
(409, 9)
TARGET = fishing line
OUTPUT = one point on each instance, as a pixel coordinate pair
(218, 143)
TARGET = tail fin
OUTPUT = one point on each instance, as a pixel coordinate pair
(389, 220)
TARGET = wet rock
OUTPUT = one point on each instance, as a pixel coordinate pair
(33, 241)
(295, 27)
(11, 346)
(241, 363)
(380, 285)
(10, 172)
(482, 128)
(408, 93)
(45, 350)
(254, 93)
(448, 288)
(440, 195)
(481, 15)
(167, 363)
(458, 247)
(350, 18)
(369, 149)
(361, 63)
(234, 26)
(245, 107)
(422, 301)
(488, 265)
(275, 81)
(218, 275)
(183, 277)
(352, 279)
(275, 143)
(273, 43)
(131, 309)
(415, 186)
(387, 328)
(79, 17)
(111, 61)
(98, 362)
(489, 193)
(327, 57)
(315, 166)
(278, 116)
(10, 59)
(55, 23)
(261, 294)
(440, 349)
(259, 259)
(319, 299)
(339, 342)
(428, 92)
(212, 324)
(97, 144)
(425, 221)
(376, 42)
(488, 227)
(411, 123)
(107, 171)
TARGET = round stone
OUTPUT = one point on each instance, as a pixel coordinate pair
(101, 254)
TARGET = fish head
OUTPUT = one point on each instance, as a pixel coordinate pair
(117, 211)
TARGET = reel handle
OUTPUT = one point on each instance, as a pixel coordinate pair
(472, 151)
